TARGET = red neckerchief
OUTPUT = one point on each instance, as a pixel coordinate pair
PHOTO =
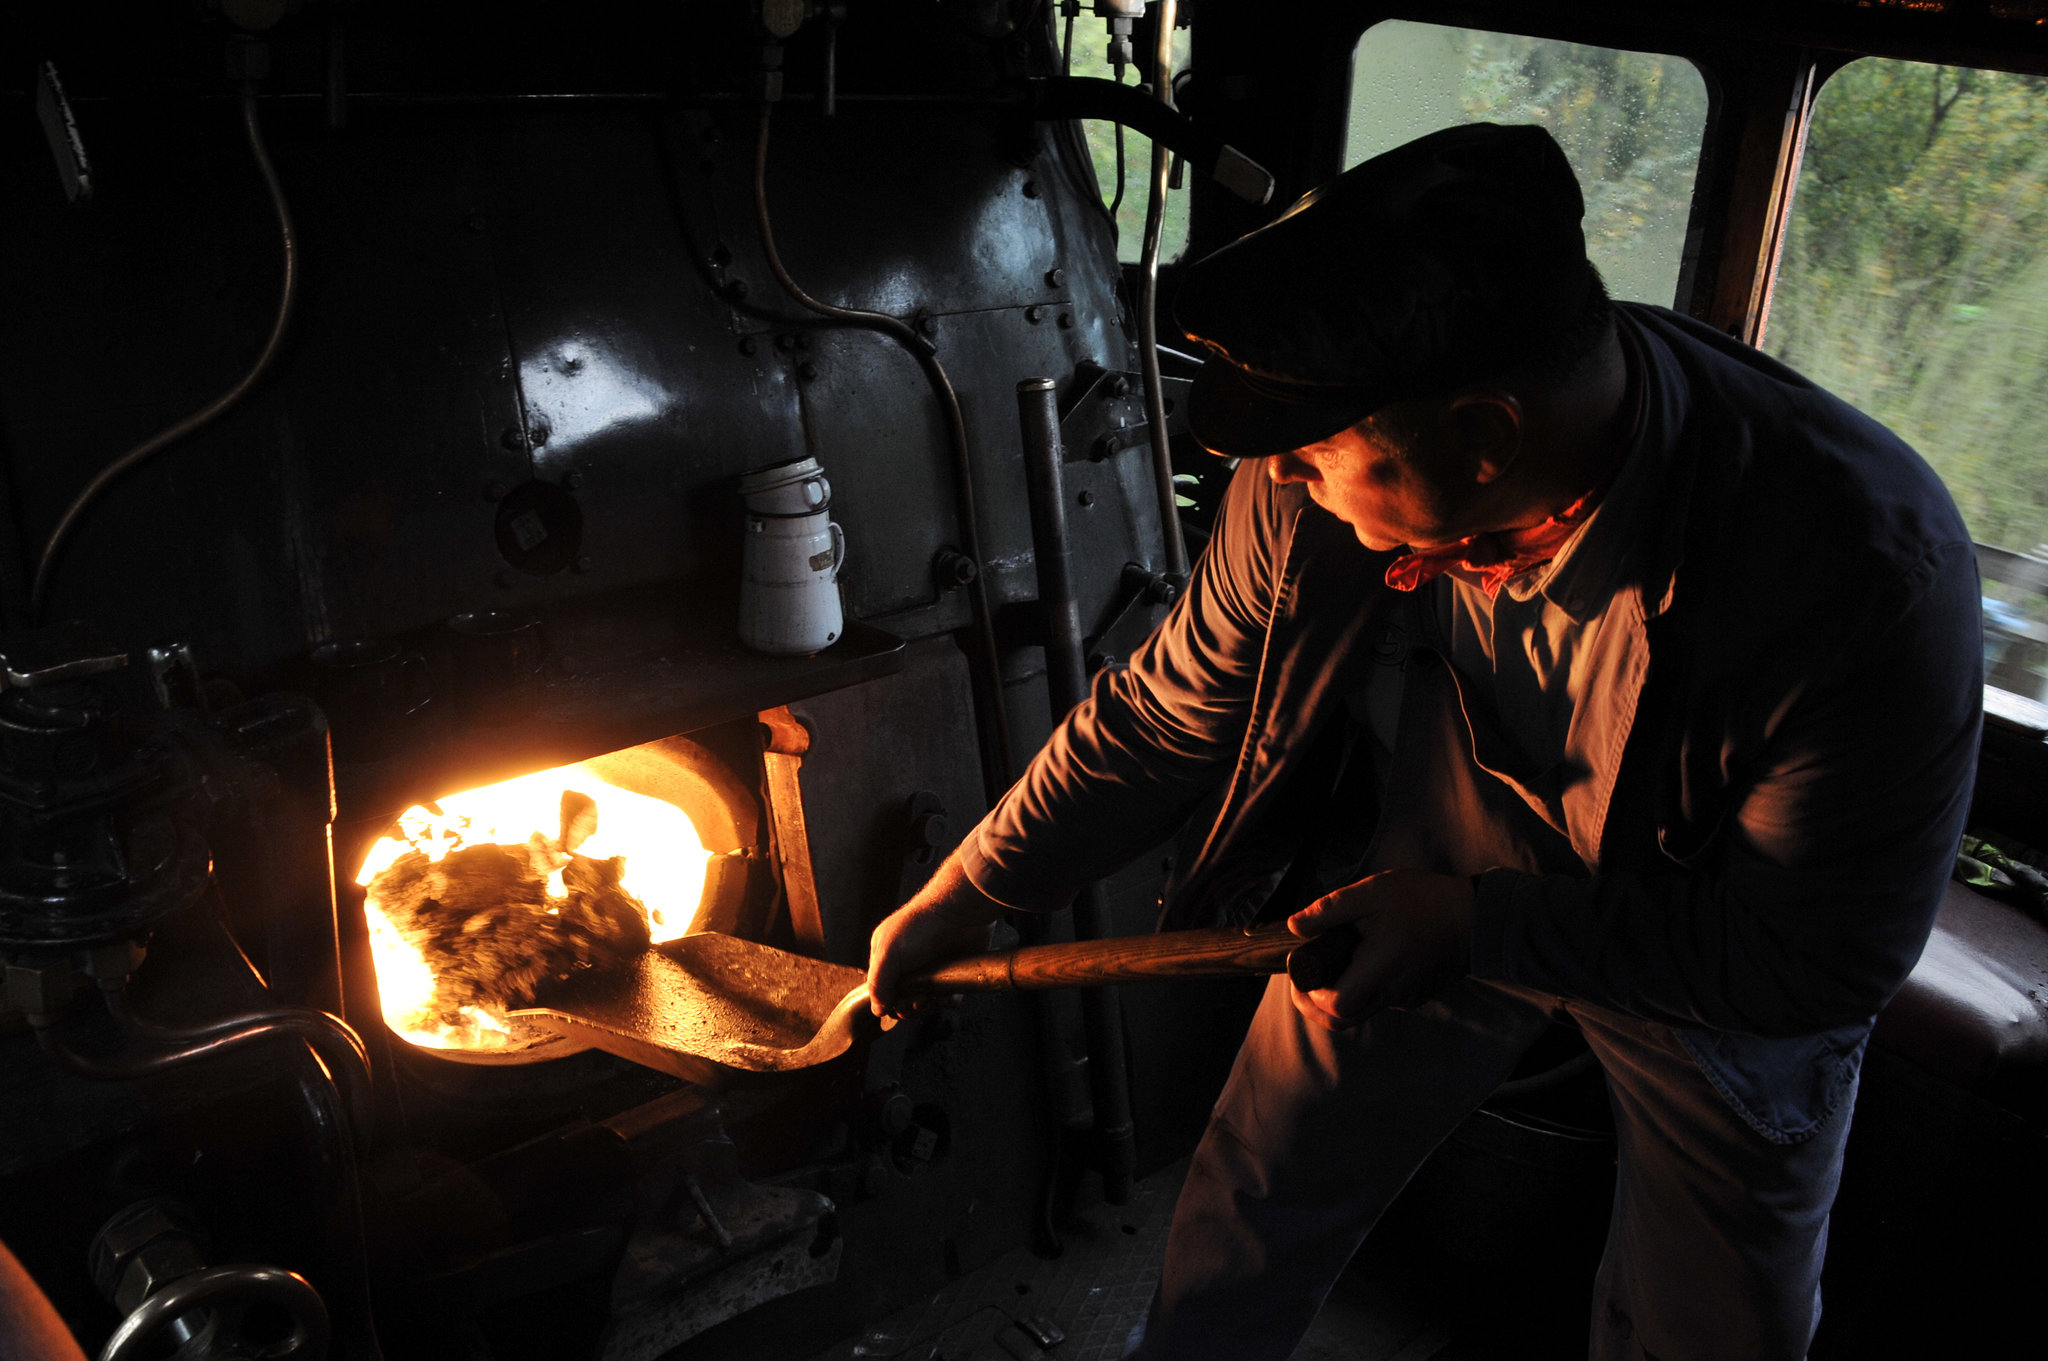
(1497, 555)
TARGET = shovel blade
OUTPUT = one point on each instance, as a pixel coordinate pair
(709, 1003)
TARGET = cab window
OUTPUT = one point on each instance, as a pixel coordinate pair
(1631, 124)
(1913, 281)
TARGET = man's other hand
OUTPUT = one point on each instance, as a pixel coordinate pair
(1415, 940)
(948, 917)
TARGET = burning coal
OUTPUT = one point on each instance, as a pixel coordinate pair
(478, 902)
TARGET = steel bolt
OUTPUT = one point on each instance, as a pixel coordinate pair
(542, 432)
(1086, 498)
(895, 1114)
(1034, 315)
(1066, 321)
(153, 1269)
(572, 480)
(927, 325)
(1119, 386)
(143, 1248)
(514, 439)
(1055, 277)
(953, 569)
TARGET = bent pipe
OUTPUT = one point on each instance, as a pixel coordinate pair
(1062, 97)
(53, 548)
(160, 1049)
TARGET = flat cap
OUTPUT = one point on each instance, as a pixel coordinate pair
(1430, 266)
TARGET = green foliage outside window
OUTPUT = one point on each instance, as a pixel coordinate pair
(1630, 123)
(1914, 277)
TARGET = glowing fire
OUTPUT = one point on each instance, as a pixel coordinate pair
(662, 863)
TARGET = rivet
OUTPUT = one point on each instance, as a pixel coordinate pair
(583, 563)
(1086, 498)
(504, 579)
(807, 371)
(747, 345)
(572, 480)
(1034, 315)
(927, 326)
(496, 491)
(514, 439)
(1056, 277)
(1031, 189)
(1066, 321)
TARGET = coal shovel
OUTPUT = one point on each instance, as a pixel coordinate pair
(734, 1004)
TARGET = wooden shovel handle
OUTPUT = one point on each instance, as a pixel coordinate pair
(1214, 952)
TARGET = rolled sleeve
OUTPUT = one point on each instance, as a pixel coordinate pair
(1124, 768)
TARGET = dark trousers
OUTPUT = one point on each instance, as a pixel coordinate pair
(1714, 1249)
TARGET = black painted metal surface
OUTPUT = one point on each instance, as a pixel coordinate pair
(535, 347)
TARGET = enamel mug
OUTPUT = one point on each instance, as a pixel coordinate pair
(789, 570)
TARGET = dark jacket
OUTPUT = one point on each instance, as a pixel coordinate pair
(1785, 751)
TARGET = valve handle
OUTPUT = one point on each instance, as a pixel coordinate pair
(230, 1290)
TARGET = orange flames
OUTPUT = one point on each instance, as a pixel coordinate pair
(664, 867)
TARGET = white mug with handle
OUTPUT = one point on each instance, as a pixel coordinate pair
(789, 569)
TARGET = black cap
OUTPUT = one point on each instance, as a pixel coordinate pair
(1433, 265)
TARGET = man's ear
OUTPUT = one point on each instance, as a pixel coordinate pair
(1487, 425)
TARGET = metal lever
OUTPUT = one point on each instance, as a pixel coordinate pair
(1061, 97)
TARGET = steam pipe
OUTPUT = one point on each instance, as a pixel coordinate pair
(1148, 304)
(1066, 675)
(996, 763)
(163, 1049)
(120, 467)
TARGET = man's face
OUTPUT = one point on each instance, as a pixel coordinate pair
(1373, 477)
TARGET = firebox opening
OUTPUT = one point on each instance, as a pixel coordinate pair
(478, 901)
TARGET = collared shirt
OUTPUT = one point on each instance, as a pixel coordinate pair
(1533, 651)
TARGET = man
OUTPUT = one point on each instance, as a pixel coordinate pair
(1666, 665)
